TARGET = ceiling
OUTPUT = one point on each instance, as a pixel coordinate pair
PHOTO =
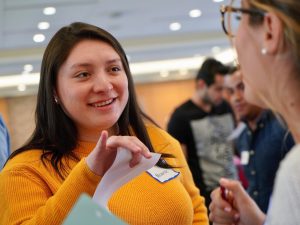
(141, 26)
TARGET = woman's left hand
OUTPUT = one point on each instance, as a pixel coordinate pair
(104, 154)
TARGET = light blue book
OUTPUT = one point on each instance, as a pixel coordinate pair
(87, 212)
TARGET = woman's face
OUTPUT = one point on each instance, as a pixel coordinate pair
(248, 43)
(92, 87)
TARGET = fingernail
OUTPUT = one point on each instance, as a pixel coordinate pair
(227, 209)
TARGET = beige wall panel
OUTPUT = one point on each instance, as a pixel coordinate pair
(21, 116)
(159, 100)
(4, 111)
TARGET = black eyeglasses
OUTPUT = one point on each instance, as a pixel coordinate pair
(230, 21)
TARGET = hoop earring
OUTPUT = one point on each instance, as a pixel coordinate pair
(56, 100)
(263, 51)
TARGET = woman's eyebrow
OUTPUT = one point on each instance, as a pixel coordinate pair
(87, 64)
(117, 60)
(76, 65)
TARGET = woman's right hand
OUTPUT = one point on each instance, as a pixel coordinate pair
(104, 154)
(238, 208)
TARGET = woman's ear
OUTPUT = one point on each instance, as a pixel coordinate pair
(55, 97)
(273, 34)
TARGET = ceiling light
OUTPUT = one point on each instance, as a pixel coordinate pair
(175, 26)
(215, 49)
(164, 65)
(218, 0)
(21, 87)
(195, 13)
(43, 25)
(28, 68)
(164, 73)
(15, 80)
(49, 11)
(226, 56)
(183, 72)
(39, 38)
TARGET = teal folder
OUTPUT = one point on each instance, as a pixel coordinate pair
(87, 212)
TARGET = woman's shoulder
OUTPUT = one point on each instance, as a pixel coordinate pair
(163, 142)
(285, 202)
(28, 158)
(160, 137)
(288, 173)
(291, 163)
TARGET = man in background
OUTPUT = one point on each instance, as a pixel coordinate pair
(262, 141)
(4, 143)
(202, 125)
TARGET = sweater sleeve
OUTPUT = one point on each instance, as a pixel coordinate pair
(26, 197)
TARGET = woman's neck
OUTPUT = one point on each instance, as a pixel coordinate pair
(283, 95)
(88, 135)
(291, 114)
(290, 107)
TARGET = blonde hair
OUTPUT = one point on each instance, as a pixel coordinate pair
(289, 12)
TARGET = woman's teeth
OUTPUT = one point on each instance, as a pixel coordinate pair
(103, 103)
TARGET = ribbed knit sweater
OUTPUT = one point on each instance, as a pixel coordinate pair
(32, 193)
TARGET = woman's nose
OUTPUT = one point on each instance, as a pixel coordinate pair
(102, 83)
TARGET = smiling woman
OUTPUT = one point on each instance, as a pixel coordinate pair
(86, 110)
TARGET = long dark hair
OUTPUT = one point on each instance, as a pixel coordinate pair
(55, 133)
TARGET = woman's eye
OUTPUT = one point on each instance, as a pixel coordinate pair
(238, 17)
(115, 69)
(82, 75)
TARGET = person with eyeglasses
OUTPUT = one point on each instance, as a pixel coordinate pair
(267, 40)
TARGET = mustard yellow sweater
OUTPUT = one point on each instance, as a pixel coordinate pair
(31, 193)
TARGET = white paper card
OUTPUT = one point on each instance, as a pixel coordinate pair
(120, 173)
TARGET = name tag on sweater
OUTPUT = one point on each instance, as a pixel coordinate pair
(161, 174)
(245, 157)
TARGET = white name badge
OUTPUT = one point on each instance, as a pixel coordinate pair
(161, 174)
(245, 157)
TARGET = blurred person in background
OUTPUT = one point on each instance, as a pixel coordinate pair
(87, 110)
(267, 41)
(202, 124)
(4, 143)
(261, 143)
